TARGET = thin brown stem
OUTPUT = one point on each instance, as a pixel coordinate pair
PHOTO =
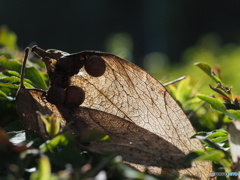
(23, 67)
(40, 52)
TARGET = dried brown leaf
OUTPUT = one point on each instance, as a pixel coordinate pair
(145, 125)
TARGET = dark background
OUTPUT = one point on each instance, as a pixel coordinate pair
(168, 26)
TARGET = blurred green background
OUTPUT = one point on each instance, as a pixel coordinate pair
(163, 37)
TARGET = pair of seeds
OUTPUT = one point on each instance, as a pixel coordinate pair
(60, 91)
(72, 96)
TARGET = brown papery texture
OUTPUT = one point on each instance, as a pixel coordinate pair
(128, 92)
(145, 124)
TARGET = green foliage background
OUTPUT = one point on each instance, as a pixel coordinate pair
(210, 124)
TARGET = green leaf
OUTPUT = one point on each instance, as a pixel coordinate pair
(36, 78)
(193, 155)
(183, 90)
(208, 149)
(226, 164)
(201, 133)
(12, 83)
(220, 139)
(60, 140)
(7, 55)
(207, 69)
(218, 133)
(221, 92)
(44, 169)
(31, 73)
(10, 64)
(172, 90)
(105, 138)
(8, 85)
(11, 73)
(234, 114)
(216, 104)
(7, 38)
(214, 155)
(4, 96)
(52, 124)
(216, 136)
(209, 143)
(68, 154)
(11, 80)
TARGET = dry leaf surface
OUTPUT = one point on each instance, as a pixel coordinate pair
(145, 124)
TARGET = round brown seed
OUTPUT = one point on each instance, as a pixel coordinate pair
(61, 79)
(95, 66)
(55, 94)
(71, 65)
(64, 62)
(74, 96)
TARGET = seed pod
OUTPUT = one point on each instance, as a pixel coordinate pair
(64, 62)
(61, 79)
(95, 66)
(70, 65)
(74, 96)
(55, 94)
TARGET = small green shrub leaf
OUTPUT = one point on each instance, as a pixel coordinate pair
(233, 114)
(60, 140)
(201, 133)
(183, 90)
(207, 69)
(221, 92)
(4, 96)
(216, 104)
(218, 133)
(7, 55)
(36, 78)
(12, 83)
(10, 64)
(11, 73)
(220, 139)
(14, 68)
(215, 155)
(44, 169)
